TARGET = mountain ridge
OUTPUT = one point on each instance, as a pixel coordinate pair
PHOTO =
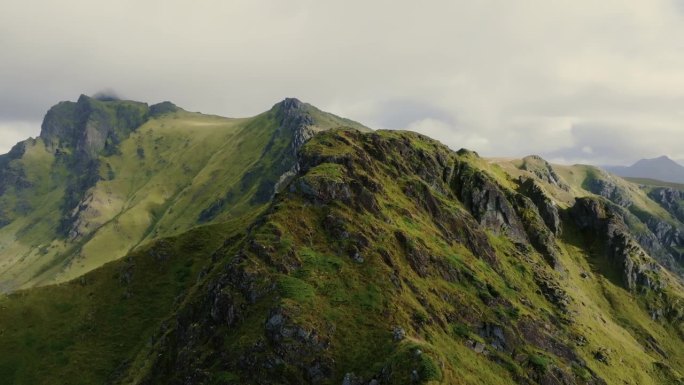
(88, 215)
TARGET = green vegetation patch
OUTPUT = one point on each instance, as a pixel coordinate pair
(296, 289)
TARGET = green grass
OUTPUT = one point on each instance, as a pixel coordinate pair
(79, 332)
(296, 289)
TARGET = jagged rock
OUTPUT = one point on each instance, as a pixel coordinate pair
(497, 336)
(455, 225)
(323, 190)
(545, 204)
(427, 281)
(11, 174)
(223, 309)
(90, 126)
(553, 291)
(477, 347)
(541, 238)
(545, 337)
(485, 200)
(670, 199)
(638, 270)
(544, 171)
(335, 226)
(398, 333)
(605, 187)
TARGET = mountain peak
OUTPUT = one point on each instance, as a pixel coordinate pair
(664, 159)
(290, 104)
(661, 168)
(91, 124)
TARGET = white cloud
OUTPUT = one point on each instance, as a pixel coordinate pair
(13, 132)
(510, 78)
(448, 134)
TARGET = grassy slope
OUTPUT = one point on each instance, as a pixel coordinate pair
(162, 165)
(83, 331)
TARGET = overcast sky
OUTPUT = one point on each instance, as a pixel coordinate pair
(574, 81)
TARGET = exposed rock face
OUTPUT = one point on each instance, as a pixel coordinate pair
(488, 204)
(638, 270)
(295, 117)
(543, 171)
(670, 199)
(541, 238)
(604, 187)
(83, 131)
(661, 239)
(90, 126)
(663, 242)
(507, 213)
(546, 206)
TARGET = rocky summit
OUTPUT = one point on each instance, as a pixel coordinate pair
(150, 245)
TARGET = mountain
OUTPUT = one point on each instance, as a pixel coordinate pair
(382, 257)
(106, 176)
(662, 168)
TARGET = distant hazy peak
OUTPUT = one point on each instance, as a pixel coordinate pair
(664, 160)
(661, 168)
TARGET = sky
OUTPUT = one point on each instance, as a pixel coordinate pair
(576, 81)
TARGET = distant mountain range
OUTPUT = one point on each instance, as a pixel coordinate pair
(662, 168)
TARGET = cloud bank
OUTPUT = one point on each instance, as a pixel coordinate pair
(574, 81)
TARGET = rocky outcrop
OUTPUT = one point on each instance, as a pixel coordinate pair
(507, 212)
(487, 202)
(660, 239)
(163, 108)
(670, 199)
(79, 133)
(637, 269)
(543, 171)
(456, 225)
(539, 234)
(664, 241)
(603, 185)
(91, 126)
(548, 209)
